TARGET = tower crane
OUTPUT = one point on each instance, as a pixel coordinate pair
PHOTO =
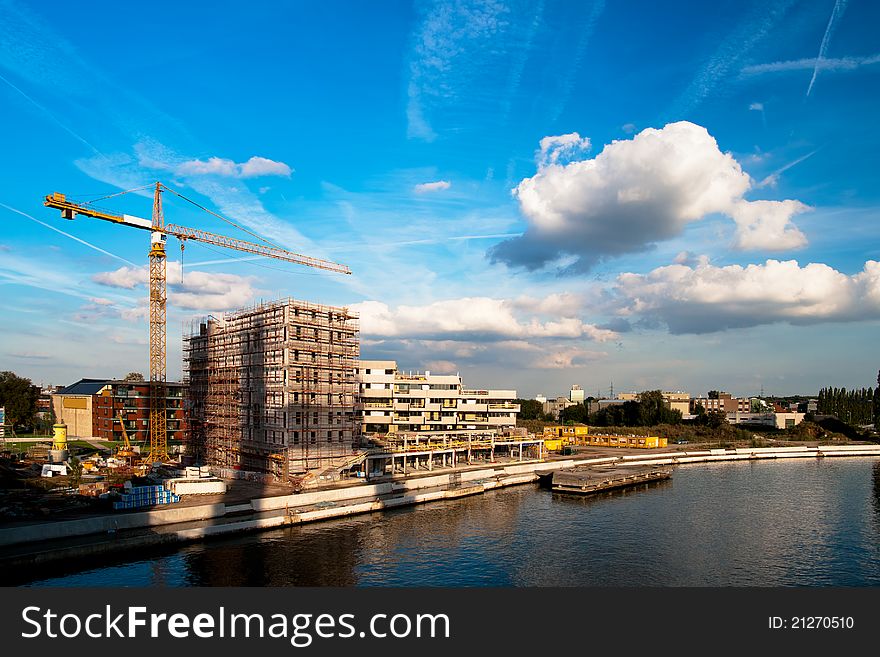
(159, 232)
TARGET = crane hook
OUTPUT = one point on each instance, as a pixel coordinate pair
(182, 245)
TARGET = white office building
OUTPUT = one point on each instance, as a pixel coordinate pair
(393, 401)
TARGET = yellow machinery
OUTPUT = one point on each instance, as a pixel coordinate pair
(159, 232)
(125, 451)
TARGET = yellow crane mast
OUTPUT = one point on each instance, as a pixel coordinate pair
(159, 232)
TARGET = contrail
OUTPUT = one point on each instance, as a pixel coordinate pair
(73, 237)
(836, 13)
(773, 177)
(52, 116)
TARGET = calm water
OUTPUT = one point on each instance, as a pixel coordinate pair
(795, 523)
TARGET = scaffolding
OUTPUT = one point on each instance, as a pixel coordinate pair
(272, 388)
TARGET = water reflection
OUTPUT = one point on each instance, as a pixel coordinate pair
(805, 523)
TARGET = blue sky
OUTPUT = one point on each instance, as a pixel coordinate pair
(534, 194)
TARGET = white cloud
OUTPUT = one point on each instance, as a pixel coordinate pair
(567, 358)
(628, 128)
(836, 15)
(561, 146)
(563, 304)
(100, 301)
(261, 166)
(217, 166)
(766, 225)
(194, 290)
(436, 186)
(441, 366)
(124, 277)
(704, 298)
(812, 63)
(470, 318)
(758, 107)
(637, 192)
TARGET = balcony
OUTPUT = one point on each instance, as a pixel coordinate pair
(377, 404)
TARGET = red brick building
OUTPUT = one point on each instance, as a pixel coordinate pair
(106, 399)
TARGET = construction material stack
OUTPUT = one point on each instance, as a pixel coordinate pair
(139, 496)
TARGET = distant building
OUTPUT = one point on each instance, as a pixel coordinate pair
(723, 402)
(555, 406)
(576, 394)
(540, 398)
(393, 401)
(777, 420)
(90, 407)
(676, 401)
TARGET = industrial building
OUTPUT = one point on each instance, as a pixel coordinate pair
(272, 388)
(90, 408)
(394, 401)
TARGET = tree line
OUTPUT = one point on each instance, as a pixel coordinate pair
(855, 407)
(19, 396)
(648, 410)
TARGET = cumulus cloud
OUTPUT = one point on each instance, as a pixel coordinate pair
(470, 318)
(124, 277)
(261, 166)
(217, 166)
(705, 298)
(436, 186)
(561, 146)
(637, 192)
(192, 290)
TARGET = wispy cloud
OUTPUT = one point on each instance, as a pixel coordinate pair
(837, 64)
(727, 56)
(51, 116)
(68, 235)
(443, 53)
(836, 13)
(436, 186)
(585, 33)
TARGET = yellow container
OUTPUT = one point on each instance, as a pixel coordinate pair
(554, 444)
(59, 440)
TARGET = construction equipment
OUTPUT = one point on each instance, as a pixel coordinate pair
(159, 232)
(125, 451)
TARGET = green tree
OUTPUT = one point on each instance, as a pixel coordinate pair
(576, 414)
(19, 396)
(700, 413)
(74, 471)
(716, 418)
(876, 404)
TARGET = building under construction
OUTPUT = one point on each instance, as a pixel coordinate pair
(272, 389)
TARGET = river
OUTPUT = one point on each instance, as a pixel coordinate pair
(809, 522)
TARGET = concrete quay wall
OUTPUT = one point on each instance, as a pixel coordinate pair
(452, 484)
